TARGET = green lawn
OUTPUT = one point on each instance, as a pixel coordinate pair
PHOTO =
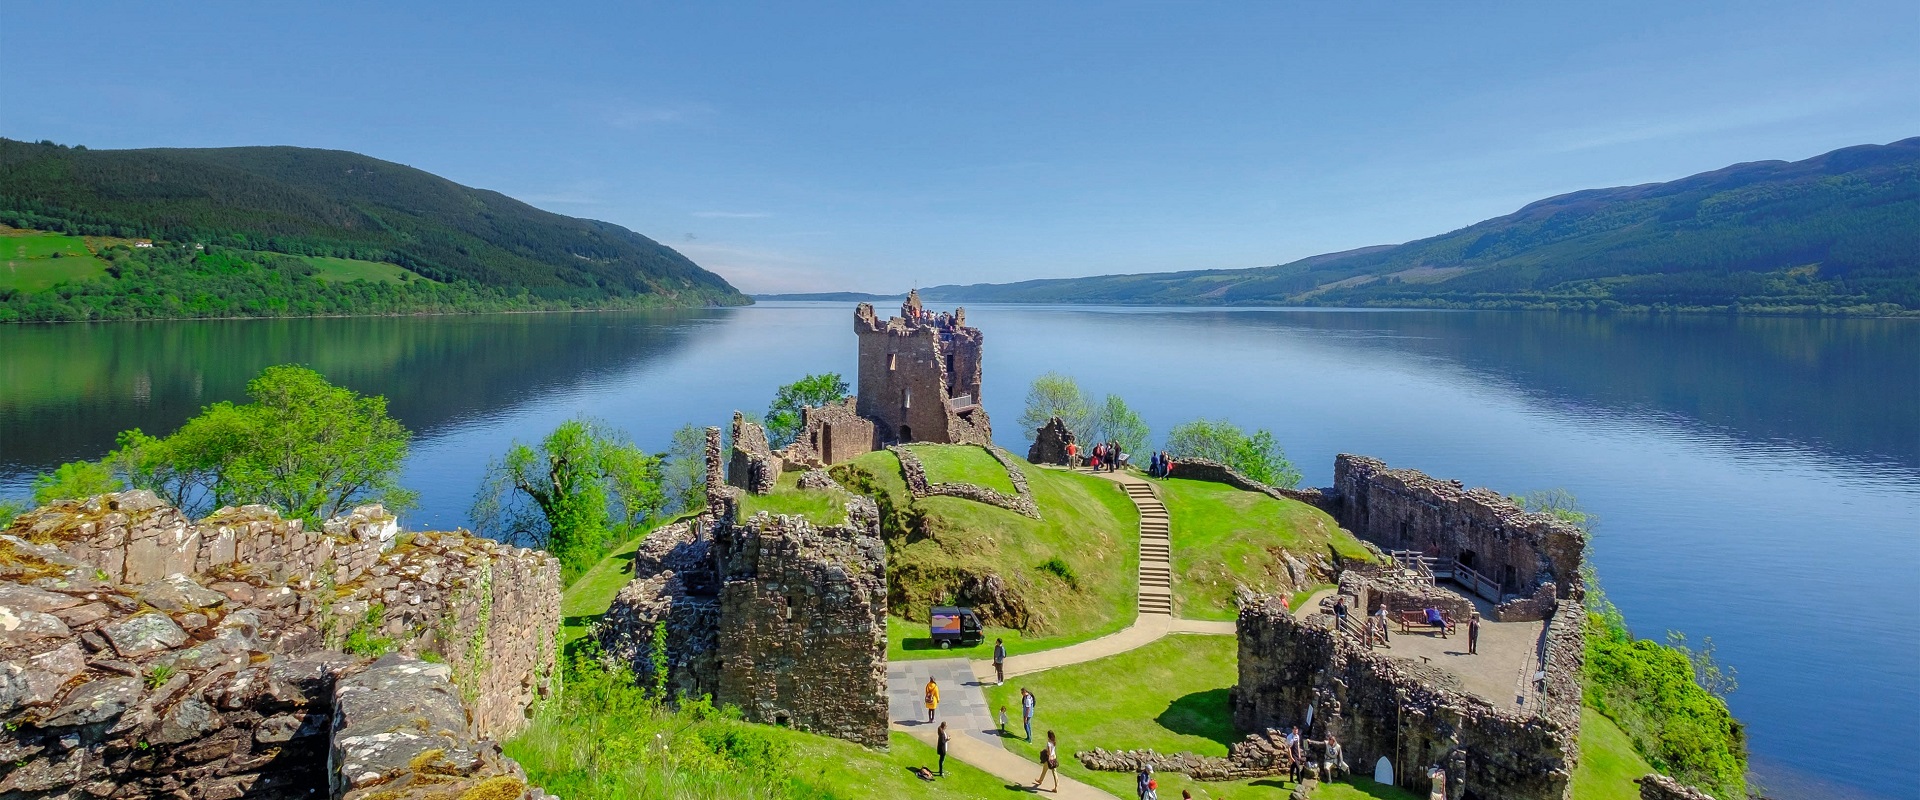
(1223, 536)
(841, 770)
(328, 268)
(963, 464)
(590, 595)
(28, 260)
(1169, 696)
(908, 640)
(1088, 524)
(1361, 788)
(1608, 764)
(821, 506)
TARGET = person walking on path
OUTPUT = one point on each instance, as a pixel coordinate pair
(940, 748)
(1049, 763)
(1026, 712)
(1380, 624)
(1473, 634)
(1140, 781)
(999, 661)
(933, 698)
(1073, 455)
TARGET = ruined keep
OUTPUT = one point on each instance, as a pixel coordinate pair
(920, 375)
(159, 657)
(780, 617)
(831, 434)
(1050, 443)
(752, 465)
(1413, 718)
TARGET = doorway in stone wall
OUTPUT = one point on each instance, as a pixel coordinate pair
(906, 434)
(826, 444)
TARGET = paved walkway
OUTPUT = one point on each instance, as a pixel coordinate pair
(1005, 765)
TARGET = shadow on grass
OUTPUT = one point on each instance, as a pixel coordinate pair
(924, 643)
(1378, 791)
(1201, 714)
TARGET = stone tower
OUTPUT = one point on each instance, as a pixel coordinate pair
(920, 375)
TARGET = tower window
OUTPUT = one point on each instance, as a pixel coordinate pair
(893, 361)
(906, 398)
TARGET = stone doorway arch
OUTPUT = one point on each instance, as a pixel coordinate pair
(1383, 771)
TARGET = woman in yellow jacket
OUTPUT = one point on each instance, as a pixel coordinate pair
(933, 698)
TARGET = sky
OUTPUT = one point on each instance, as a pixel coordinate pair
(827, 147)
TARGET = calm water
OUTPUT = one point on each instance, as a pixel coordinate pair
(1755, 478)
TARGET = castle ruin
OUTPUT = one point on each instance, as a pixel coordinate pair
(920, 375)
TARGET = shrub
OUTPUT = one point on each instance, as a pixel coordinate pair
(1653, 692)
(1059, 569)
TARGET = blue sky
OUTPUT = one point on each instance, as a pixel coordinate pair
(814, 147)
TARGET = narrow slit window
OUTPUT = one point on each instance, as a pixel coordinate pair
(893, 362)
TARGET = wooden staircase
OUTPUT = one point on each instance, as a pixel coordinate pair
(1156, 550)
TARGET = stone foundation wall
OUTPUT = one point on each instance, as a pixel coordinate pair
(1367, 587)
(1202, 469)
(1022, 503)
(1655, 786)
(1407, 510)
(676, 586)
(1410, 714)
(832, 434)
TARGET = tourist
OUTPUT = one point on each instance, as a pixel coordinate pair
(1336, 764)
(1473, 634)
(1003, 720)
(1099, 450)
(1166, 465)
(1049, 763)
(1026, 712)
(1073, 455)
(999, 662)
(933, 697)
(940, 748)
(1140, 780)
(1435, 619)
(1296, 755)
(1153, 465)
(1339, 611)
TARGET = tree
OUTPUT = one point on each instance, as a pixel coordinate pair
(812, 391)
(1056, 395)
(1116, 422)
(569, 493)
(75, 480)
(683, 475)
(305, 446)
(1257, 456)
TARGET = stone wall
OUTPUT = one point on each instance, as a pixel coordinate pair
(215, 686)
(1203, 469)
(753, 466)
(1410, 714)
(675, 585)
(400, 732)
(1655, 786)
(1369, 586)
(1050, 443)
(832, 434)
(1407, 510)
(1021, 502)
(912, 370)
(803, 629)
(1259, 755)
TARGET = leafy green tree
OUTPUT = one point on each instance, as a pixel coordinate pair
(10, 509)
(306, 446)
(571, 494)
(783, 417)
(75, 480)
(683, 474)
(1257, 456)
(1056, 395)
(1115, 421)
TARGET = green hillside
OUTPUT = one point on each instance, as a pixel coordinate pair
(331, 205)
(1837, 233)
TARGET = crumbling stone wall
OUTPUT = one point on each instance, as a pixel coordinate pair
(919, 375)
(1378, 706)
(1050, 443)
(1205, 469)
(831, 434)
(1021, 502)
(1259, 755)
(675, 585)
(1368, 586)
(753, 466)
(1655, 786)
(1407, 510)
(400, 732)
(205, 687)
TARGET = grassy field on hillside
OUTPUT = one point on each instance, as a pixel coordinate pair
(1223, 536)
(328, 268)
(1608, 764)
(1089, 527)
(32, 261)
(963, 464)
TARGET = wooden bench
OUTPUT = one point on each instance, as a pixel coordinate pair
(1411, 621)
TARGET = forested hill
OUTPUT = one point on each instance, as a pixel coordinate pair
(335, 204)
(1838, 233)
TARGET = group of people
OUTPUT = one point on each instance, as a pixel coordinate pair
(1375, 630)
(1332, 763)
(1160, 465)
(1104, 457)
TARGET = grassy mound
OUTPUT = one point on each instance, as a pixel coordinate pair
(820, 506)
(1222, 536)
(963, 464)
(1073, 575)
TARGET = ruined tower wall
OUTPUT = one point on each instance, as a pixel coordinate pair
(752, 466)
(832, 434)
(1407, 510)
(911, 369)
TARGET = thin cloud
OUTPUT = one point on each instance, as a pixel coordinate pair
(732, 214)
